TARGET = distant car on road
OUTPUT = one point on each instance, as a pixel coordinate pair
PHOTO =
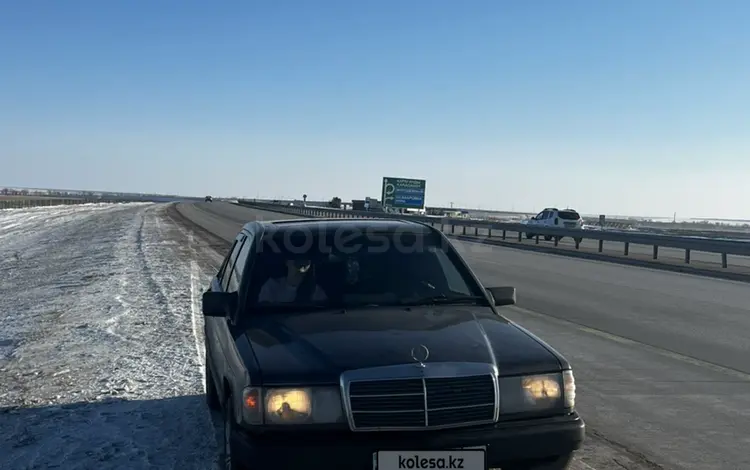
(209, 199)
(346, 342)
(552, 217)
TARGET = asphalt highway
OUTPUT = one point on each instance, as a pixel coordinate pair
(662, 359)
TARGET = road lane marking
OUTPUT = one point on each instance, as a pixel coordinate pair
(584, 465)
(743, 376)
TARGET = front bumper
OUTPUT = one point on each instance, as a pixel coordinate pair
(506, 442)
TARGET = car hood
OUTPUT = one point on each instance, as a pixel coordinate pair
(316, 347)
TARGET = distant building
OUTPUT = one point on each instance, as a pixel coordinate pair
(366, 204)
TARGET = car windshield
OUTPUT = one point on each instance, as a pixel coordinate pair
(569, 215)
(311, 272)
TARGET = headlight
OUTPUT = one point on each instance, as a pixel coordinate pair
(303, 405)
(537, 392)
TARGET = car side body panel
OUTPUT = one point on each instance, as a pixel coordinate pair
(229, 370)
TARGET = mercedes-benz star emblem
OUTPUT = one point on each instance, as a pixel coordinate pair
(420, 354)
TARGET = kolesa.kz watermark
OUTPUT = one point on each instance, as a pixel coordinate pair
(427, 460)
(433, 462)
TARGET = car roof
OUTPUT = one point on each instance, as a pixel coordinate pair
(559, 210)
(333, 224)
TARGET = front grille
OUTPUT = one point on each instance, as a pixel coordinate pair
(430, 402)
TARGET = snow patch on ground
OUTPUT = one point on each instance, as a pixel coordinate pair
(101, 351)
(35, 221)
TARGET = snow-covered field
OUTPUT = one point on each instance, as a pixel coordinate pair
(101, 353)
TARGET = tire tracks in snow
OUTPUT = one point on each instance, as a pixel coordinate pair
(106, 369)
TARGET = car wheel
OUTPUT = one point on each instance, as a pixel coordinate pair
(212, 394)
(561, 462)
(547, 238)
(229, 460)
(529, 235)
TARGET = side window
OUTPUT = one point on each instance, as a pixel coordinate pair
(540, 215)
(229, 269)
(453, 278)
(223, 269)
(239, 265)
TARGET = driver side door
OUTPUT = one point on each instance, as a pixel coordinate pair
(217, 328)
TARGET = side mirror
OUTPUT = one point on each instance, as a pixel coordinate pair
(219, 304)
(503, 295)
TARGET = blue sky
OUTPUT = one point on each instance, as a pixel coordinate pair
(639, 107)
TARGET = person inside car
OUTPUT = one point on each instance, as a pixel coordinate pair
(298, 285)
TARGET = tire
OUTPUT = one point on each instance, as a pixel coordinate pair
(529, 235)
(228, 459)
(561, 462)
(212, 394)
(547, 238)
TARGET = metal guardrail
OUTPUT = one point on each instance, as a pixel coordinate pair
(723, 247)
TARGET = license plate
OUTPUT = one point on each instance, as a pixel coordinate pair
(460, 459)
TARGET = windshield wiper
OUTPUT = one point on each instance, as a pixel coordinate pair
(291, 307)
(443, 299)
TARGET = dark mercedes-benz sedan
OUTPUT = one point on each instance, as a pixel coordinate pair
(364, 344)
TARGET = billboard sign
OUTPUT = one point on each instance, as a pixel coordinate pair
(403, 193)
